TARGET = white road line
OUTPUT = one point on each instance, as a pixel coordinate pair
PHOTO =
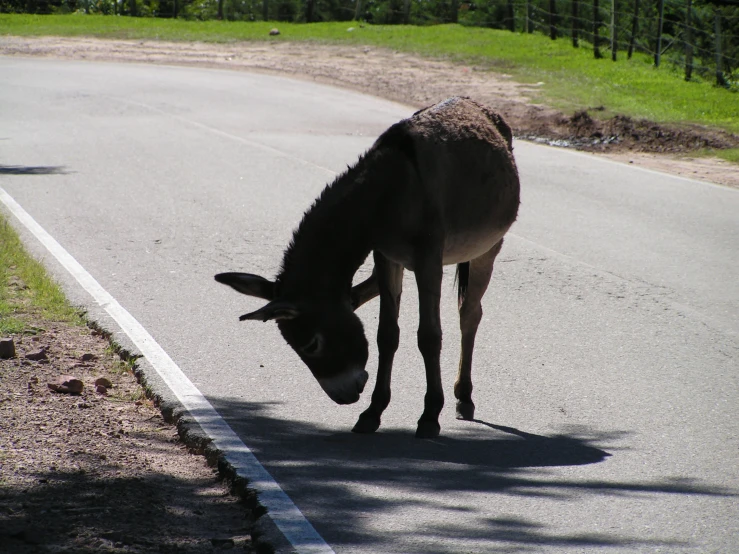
(288, 518)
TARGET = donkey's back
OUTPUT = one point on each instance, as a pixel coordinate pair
(461, 176)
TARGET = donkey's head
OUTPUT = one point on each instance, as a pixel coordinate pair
(327, 335)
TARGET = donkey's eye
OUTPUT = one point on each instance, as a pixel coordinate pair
(314, 347)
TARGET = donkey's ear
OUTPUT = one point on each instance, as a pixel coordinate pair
(276, 310)
(246, 283)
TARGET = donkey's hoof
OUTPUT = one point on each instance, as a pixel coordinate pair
(428, 430)
(366, 424)
(465, 410)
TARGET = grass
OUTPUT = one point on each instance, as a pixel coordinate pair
(730, 154)
(572, 78)
(26, 288)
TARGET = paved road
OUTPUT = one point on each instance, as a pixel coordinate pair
(606, 369)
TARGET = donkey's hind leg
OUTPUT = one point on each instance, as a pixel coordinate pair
(473, 282)
(390, 281)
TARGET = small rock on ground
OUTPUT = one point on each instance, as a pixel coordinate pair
(7, 348)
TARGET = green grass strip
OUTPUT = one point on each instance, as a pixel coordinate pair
(730, 155)
(26, 288)
(572, 79)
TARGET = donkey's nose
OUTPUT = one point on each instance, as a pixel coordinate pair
(345, 387)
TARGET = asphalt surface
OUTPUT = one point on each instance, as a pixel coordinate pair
(606, 363)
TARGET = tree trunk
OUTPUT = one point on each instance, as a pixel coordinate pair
(132, 8)
(265, 10)
(553, 19)
(661, 16)
(688, 40)
(614, 31)
(634, 28)
(511, 17)
(575, 24)
(596, 30)
(406, 12)
(527, 20)
(220, 9)
(358, 10)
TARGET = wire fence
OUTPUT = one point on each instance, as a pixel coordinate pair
(700, 39)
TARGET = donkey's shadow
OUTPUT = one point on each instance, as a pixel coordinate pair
(509, 448)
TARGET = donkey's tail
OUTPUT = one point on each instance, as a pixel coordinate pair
(462, 278)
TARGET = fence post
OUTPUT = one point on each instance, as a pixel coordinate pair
(596, 30)
(511, 17)
(614, 31)
(309, 5)
(634, 28)
(720, 79)
(688, 39)
(454, 16)
(658, 52)
(575, 24)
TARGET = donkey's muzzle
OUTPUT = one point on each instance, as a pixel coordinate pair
(345, 387)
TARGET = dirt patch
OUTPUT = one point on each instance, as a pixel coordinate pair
(621, 133)
(419, 82)
(100, 471)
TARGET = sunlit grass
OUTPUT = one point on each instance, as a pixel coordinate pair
(730, 155)
(26, 288)
(572, 78)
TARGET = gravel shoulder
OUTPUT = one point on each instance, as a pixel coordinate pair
(418, 82)
(100, 470)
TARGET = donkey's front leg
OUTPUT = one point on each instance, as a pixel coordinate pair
(428, 278)
(389, 277)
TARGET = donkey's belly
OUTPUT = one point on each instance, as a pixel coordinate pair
(467, 245)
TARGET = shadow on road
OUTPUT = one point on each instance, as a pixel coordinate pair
(343, 481)
(32, 170)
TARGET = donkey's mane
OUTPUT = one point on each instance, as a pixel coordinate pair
(334, 218)
(323, 217)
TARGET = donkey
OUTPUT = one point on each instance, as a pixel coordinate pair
(438, 188)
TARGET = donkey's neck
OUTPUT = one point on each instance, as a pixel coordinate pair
(333, 239)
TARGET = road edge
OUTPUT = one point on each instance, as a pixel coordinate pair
(268, 536)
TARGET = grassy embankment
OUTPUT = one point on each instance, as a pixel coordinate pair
(28, 295)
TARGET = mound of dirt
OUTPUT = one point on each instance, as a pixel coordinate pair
(619, 133)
